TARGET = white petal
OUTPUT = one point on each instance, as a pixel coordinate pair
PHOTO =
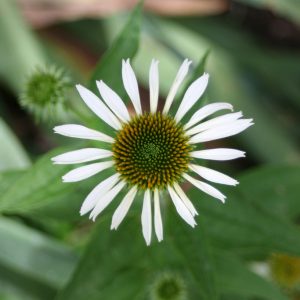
(81, 156)
(187, 202)
(206, 111)
(181, 74)
(123, 208)
(146, 218)
(82, 132)
(154, 85)
(218, 154)
(206, 188)
(182, 210)
(193, 93)
(84, 172)
(221, 131)
(106, 199)
(131, 86)
(212, 175)
(98, 107)
(101, 189)
(221, 120)
(157, 217)
(113, 101)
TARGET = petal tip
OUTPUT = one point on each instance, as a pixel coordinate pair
(65, 179)
(56, 129)
(78, 86)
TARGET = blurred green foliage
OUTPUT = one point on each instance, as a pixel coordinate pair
(48, 252)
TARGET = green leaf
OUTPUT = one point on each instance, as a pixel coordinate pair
(18, 286)
(40, 191)
(234, 278)
(273, 188)
(128, 269)
(12, 154)
(8, 178)
(194, 248)
(125, 46)
(17, 40)
(244, 228)
(29, 253)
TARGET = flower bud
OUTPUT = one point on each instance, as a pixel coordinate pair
(44, 92)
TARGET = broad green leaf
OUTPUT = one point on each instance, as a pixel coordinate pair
(12, 154)
(273, 188)
(109, 259)
(41, 191)
(125, 46)
(20, 52)
(234, 278)
(29, 253)
(194, 246)
(244, 228)
(15, 285)
(128, 268)
(8, 178)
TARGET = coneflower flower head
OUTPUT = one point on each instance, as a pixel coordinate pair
(151, 152)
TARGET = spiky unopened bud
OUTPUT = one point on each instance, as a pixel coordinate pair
(44, 92)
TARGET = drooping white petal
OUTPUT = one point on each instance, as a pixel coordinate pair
(193, 93)
(113, 101)
(206, 188)
(212, 175)
(221, 120)
(187, 202)
(123, 208)
(106, 199)
(221, 131)
(131, 86)
(87, 171)
(98, 191)
(146, 218)
(154, 85)
(81, 156)
(157, 217)
(206, 111)
(219, 154)
(82, 132)
(182, 210)
(181, 74)
(98, 107)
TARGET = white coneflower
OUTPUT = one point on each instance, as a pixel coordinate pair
(151, 151)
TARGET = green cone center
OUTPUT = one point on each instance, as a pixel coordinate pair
(151, 151)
